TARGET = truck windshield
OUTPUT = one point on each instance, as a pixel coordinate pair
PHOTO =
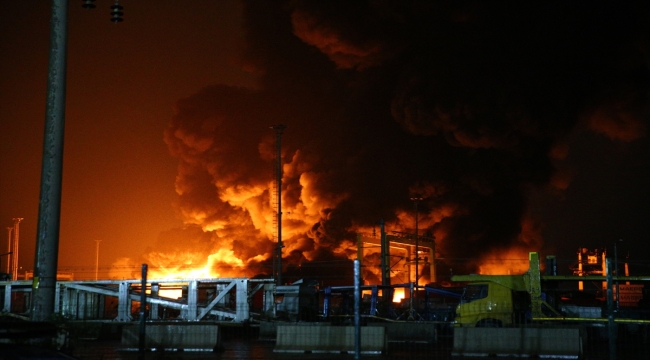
(474, 292)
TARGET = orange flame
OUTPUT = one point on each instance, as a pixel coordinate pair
(512, 261)
(188, 270)
(398, 295)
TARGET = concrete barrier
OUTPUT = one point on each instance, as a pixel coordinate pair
(424, 332)
(411, 332)
(181, 335)
(329, 339)
(534, 342)
(269, 329)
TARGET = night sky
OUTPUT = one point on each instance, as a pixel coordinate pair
(523, 127)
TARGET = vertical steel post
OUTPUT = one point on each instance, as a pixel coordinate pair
(6, 306)
(97, 259)
(47, 240)
(611, 325)
(386, 292)
(10, 230)
(123, 302)
(143, 310)
(357, 310)
(192, 300)
(385, 266)
(81, 304)
(432, 263)
(411, 309)
(616, 273)
(155, 290)
(242, 306)
(359, 247)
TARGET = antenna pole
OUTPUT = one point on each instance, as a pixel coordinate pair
(278, 145)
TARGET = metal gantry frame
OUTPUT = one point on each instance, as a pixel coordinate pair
(227, 299)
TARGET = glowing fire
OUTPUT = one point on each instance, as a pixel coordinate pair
(183, 265)
(513, 261)
(398, 295)
(171, 293)
(185, 270)
(232, 234)
(509, 262)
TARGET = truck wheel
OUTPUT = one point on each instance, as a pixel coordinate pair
(489, 323)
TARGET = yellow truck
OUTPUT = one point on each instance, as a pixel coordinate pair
(496, 303)
(523, 319)
(503, 300)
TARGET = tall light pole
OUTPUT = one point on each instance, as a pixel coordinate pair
(16, 243)
(97, 259)
(278, 193)
(49, 210)
(417, 238)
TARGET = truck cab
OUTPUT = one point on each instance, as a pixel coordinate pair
(491, 304)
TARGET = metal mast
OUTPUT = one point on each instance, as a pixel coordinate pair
(14, 250)
(278, 193)
(49, 210)
(10, 229)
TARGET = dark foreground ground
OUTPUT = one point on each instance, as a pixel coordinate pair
(242, 348)
(254, 349)
(245, 344)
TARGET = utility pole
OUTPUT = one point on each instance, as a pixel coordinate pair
(278, 191)
(97, 259)
(49, 210)
(14, 255)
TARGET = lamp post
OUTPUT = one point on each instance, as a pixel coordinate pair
(49, 210)
(417, 237)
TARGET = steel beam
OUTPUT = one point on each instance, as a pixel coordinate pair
(242, 306)
(192, 297)
(124, 303)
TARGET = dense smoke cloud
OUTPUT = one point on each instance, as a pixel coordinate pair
(466, 104)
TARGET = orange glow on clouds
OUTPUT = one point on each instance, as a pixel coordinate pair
(509, 262)
(514, 260)
(191, 265)
(618, 120)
